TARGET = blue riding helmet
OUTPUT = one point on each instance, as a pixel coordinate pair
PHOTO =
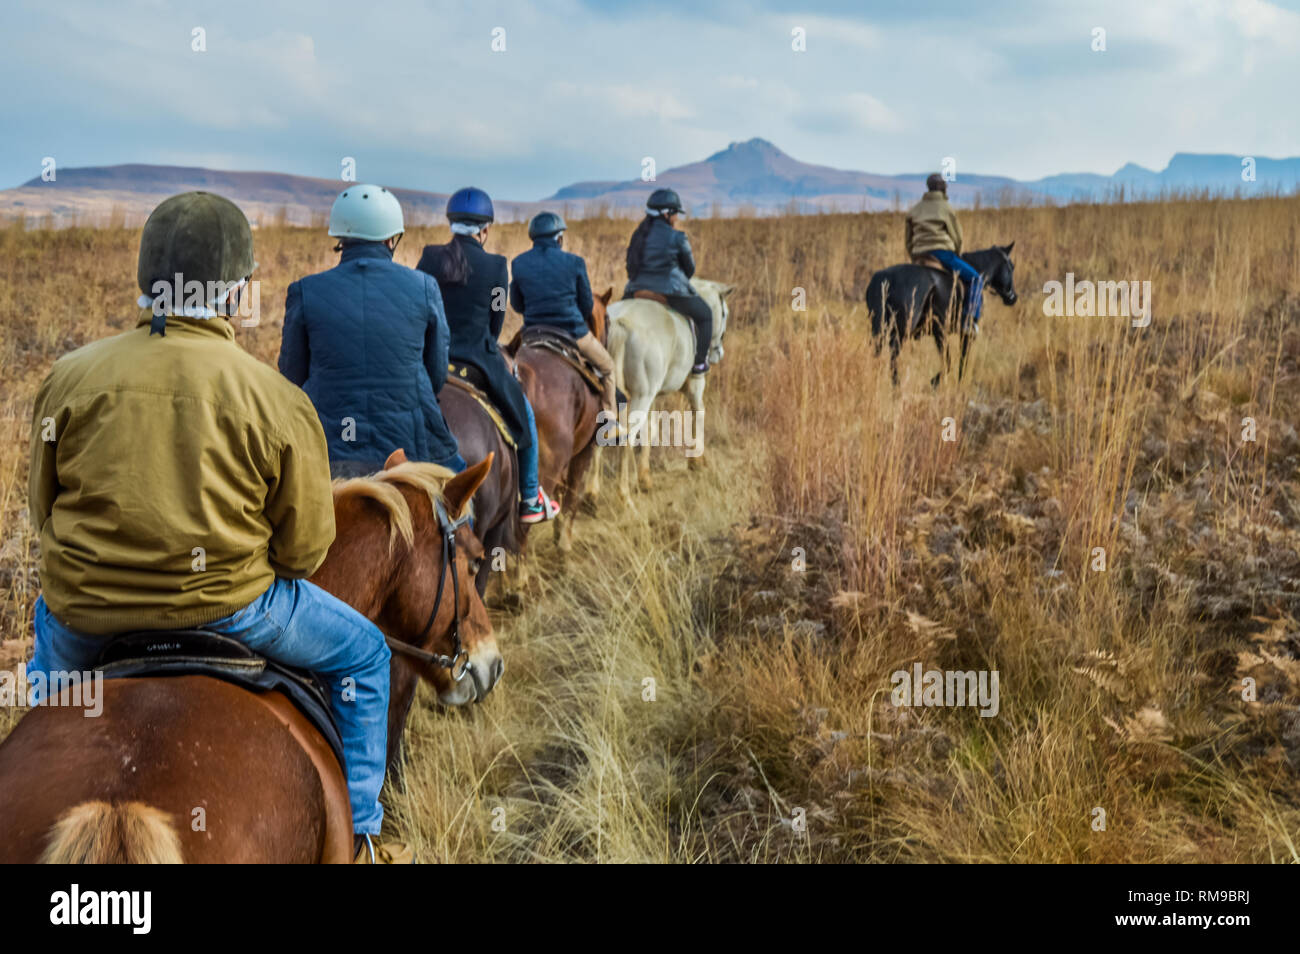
(470, 205)
(545, 223)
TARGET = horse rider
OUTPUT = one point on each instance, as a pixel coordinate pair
(659, 260)
(932, 230)
(367, 340)
(474, 284)
(550, 287)
(168, 441)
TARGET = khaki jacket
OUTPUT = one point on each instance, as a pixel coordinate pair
(931, 225)
(172, 479)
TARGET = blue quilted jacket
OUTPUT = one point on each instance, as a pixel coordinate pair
(367, 340)
(550, 287)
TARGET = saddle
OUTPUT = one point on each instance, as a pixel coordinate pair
(198, 652)
(929, 261)
(555, 340)
(474, 383)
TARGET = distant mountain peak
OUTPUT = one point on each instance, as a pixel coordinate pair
(750, 147)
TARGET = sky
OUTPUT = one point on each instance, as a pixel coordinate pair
(415, 92)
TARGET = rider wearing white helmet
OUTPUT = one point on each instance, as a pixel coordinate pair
(367, 340)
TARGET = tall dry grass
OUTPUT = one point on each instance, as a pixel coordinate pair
(836, 537)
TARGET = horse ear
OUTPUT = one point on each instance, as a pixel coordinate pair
(396, 457)
(461, 489)
(606, 295)
(1008, 248)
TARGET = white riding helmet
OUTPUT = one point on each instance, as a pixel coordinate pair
(367, 212)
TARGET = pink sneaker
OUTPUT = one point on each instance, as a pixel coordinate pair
(543, 508)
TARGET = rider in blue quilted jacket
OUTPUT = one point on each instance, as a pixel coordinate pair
(367, 340)
(550, 287)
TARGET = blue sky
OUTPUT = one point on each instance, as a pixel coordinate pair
(413, 90)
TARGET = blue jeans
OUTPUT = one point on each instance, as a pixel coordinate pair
(974, 281)
(296, 623)
(528, 460)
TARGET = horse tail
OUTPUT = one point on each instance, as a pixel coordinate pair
(99, 833)
(618, 333)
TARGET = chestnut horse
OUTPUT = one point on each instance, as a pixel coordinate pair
(195, 769)
(566, 412)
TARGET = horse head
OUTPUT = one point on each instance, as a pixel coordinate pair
(427, 604)
(1001, 277)
(599, 323)
(715, 293)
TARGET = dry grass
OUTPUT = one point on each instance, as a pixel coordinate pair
(1120, 689)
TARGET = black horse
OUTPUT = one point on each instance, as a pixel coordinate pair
(904, 300)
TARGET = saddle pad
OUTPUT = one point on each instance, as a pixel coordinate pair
(197, 652)
(463, 381)
(566, 347)
(650, 296)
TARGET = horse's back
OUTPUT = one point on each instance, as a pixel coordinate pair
(240, 776)
(652, 346)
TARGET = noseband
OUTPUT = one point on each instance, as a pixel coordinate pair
(458, 661)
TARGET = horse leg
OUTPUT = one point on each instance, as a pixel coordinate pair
(961, 361)
(638, 415)
(695, 395)
(588, 501)
(579, 468)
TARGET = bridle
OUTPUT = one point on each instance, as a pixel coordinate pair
(458, 662)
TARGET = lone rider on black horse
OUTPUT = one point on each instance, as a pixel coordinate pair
(905, 300)
(933, 230)
(659, 260)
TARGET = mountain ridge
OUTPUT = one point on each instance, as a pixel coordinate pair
(753, 175)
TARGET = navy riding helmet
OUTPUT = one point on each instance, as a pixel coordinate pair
(470, 205)
(544, 224)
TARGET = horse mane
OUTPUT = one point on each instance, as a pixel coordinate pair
(383, 489)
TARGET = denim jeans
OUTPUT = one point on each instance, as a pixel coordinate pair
(974, 281)
(299, 624)
(528, 460)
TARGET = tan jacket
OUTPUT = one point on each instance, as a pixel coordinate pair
(172, 479)
(931, 225)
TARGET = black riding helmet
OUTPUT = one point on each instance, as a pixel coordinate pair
(664, 200)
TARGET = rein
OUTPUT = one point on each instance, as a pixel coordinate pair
(458, 661)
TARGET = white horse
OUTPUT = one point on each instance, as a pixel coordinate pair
(653, 348)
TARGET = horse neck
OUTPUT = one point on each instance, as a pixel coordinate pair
(984, 261)
(599, 326)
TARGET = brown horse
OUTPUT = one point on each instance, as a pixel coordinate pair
(191, 768)
(566, 410)
(496, 505)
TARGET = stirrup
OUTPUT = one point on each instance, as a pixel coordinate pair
(701, 368)
(390, 853)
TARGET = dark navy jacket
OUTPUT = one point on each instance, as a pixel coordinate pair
(367, 341)
(550, 287)
(476, 312)
(665, 263)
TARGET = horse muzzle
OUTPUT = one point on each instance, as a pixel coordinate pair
(1009, 298)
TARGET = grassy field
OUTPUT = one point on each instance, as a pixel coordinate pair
(835, 537)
